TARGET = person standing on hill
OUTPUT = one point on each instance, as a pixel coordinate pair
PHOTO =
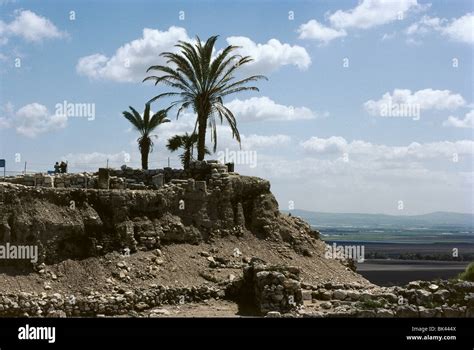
(63, 167)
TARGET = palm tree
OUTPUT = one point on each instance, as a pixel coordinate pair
(201, 83)
(145, 127)
(187, 143)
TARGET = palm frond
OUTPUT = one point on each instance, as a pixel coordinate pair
(200, 81)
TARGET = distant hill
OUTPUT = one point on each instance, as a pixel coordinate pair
(382, 220)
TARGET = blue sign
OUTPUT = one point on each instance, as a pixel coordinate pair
(2, 163)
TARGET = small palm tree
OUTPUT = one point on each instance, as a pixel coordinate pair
(201, 83)
(145, 127)
(187, 143)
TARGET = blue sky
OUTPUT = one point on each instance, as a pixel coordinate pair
(317, 126)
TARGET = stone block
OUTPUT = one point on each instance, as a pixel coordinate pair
(190, 185)
(158, 180)
(48, 179)
(201, 186)
(104, 178)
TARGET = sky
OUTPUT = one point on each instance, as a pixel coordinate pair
(368, 106)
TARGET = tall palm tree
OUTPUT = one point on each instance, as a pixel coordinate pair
(145, 127)
(201, 82)
(187, 143)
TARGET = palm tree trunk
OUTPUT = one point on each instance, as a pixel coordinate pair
(201, 137)
(145, 151)
(186, 159)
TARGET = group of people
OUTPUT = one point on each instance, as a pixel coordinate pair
(60, 168)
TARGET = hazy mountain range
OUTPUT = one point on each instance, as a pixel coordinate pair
(320, 219)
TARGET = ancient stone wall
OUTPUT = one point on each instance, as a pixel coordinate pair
(96, 304)
(272, 288)
(124, 177)
(81, 180)
(448, 298)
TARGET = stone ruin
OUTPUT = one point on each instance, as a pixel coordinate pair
(79, 222)
(271, 288)
(125, 177)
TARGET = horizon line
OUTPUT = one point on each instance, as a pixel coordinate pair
(359, 213)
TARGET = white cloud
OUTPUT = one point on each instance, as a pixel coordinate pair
(7, 112)
(333, 144)
(467, 122)
(371, 13)
(4, 123)
(425, 99)
(254, 141)
(425, 25)
(458, 29)
(31, 27)
(130, 62)
(264, 108)
(366, 150)
(31, 120)
(367, 14)
(461, 29)
(317, 31)
(93, 66)
(270, 56)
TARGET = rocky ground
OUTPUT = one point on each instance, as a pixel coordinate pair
(177, 265)
(121, 290)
